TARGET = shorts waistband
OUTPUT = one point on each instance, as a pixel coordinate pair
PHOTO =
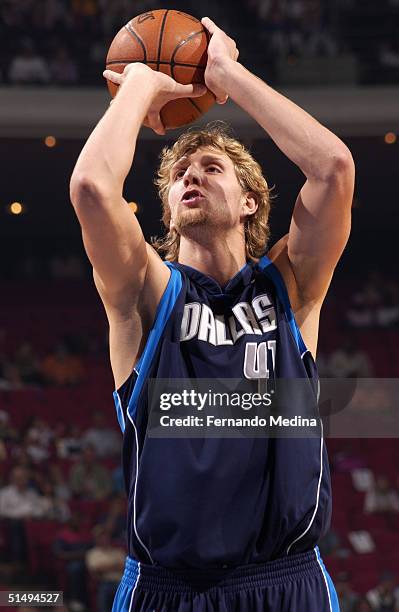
(155, 578)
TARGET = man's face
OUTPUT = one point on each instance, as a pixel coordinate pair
(219, 205)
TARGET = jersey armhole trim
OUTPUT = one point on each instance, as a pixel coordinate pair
(164, 310)
(266, 265)
(163, 313)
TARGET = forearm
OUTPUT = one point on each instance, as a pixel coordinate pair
(108, 154)
(308, 144)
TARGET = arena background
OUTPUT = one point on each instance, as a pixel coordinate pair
(337, 59)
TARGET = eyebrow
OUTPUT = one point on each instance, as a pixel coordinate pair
(205, 159)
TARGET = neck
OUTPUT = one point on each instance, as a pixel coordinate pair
(221, 258)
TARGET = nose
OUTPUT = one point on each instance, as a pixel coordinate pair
(191, 176)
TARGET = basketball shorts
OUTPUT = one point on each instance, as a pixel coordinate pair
(297, 583)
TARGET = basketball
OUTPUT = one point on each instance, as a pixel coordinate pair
(171, 42)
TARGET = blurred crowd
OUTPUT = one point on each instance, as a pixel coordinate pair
(384, 597)
(375, 304)
(68, 480)
(64, 42)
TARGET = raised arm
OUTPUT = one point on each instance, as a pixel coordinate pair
(321, 219)
(128, 274)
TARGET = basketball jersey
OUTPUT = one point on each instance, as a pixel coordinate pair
(206, 502)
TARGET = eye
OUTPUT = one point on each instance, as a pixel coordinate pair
(214, 168)
(178, 173)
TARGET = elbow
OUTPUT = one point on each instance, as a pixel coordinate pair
(344, 163)
(339, 166)
(85, 191)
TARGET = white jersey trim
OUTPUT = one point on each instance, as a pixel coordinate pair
(325, 580)
(135, 489)
(317, 495)
(134, 588)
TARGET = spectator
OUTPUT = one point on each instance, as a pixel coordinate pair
(382, 598)
(349, 362)
(388, 311)
(37, 440)
(105, 562)
(381, 498)
(89, 479)
(28, 66)
(54, 508)
(18, 502)
(376, 304)
(27, 363)
(69, 444)
(8, 433)
(41, 431)
(346, 596)
(9, 375)
(61, 368)
(318, 38)
(105, 440)
(61, 487)
(71, 544)
(63, 69)
(34, 449)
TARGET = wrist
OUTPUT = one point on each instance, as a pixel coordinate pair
(220, 67)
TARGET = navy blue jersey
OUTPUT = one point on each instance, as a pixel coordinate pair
(206, 503)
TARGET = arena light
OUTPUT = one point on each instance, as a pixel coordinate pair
(50, 141)
(390, 138)
(134, 206)
(16, 208)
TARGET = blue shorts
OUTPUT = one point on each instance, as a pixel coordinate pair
(297, 583)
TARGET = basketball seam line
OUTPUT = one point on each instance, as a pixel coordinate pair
(160, 38)
(195, 105)
(132, 33)
(129, 61)
(183, 42)
(173, 63)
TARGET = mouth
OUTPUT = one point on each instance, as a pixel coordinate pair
(192, 197)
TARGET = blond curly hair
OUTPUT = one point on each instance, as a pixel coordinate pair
(249, 174)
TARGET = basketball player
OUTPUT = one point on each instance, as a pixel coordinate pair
(215, 524)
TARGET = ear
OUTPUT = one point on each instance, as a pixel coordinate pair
(249, 205)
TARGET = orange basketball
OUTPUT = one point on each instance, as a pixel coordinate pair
(172, 42)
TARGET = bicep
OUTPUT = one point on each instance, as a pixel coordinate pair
(319, 231)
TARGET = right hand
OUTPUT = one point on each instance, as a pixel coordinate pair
(165, 90)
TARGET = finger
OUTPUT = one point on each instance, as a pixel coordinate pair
(112, 76)
(209, 24)
(193, 90)
(222, 100)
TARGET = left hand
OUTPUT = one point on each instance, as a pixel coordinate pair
(220, 48)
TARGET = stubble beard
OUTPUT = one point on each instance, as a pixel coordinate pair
(199, 222)
(191, 217)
